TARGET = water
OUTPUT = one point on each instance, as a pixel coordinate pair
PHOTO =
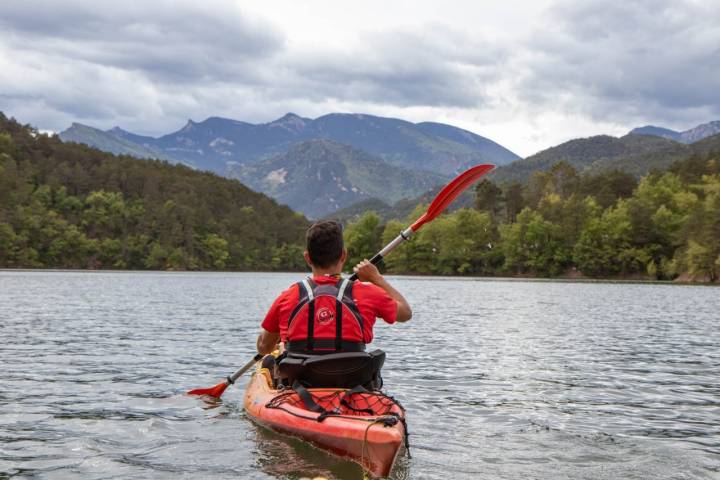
(501, 379)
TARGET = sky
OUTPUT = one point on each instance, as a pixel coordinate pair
(528, 75)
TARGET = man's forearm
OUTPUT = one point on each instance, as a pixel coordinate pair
(404, 311)
(266, 342)
(385, 285)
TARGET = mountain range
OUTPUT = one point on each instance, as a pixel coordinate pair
(691, 135)
(635, 154)
(315, 166)
(349, 161)
(219, 144)
(641, 151)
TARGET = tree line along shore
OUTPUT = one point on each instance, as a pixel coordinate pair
(65, 205)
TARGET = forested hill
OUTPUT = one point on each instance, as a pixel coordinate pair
(634, 154)
(318, 177)
(67, 205)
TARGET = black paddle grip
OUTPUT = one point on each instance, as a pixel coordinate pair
(374, 260)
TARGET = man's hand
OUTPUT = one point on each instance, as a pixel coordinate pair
(267, 341)
(367, 272)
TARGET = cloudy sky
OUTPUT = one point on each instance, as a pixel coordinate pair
(528, 75)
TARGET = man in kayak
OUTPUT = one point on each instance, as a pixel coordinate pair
(343, 313)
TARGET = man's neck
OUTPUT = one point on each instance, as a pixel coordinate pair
(333, 271)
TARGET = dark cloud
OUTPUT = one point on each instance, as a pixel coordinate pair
(105, 60)
(653, 60)
(435, 66)
(163, 40)
(149, 65)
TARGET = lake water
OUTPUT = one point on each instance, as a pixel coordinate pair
(500, 379)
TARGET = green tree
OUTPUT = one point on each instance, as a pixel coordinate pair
(534, 245)
(215, 250)
(363, 238)
(489, 198)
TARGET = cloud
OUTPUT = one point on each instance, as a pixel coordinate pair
(647, 60)
(526, 81)
(435, 66)
(166, 41)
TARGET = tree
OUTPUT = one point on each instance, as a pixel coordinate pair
(514, 201)
(534, 245)
(489, 197)
(363, 238)
(215, 251)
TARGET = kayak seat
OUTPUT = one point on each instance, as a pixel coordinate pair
(334, 370)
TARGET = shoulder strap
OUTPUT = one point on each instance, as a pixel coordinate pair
(341, 286)
(309, 287)
(346, 297)
(302, 300)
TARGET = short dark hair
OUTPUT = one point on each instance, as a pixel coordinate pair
(324, 241)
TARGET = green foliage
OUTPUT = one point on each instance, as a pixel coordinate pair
(363, 238)
(70, 206)
(533, 245)
(488, 197)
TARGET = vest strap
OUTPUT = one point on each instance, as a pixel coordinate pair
(342, 284)
(329, 344)
(310, 315)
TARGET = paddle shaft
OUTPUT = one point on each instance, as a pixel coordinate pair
(231, 379)
(404, 236)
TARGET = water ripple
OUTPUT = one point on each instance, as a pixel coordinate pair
(501, 380)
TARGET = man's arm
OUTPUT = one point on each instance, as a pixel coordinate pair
(367, 272)
(267, 341)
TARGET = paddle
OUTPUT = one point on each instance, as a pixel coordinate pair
(218, 389)
(449, 193)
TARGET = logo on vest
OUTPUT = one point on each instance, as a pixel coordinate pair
(325, 316)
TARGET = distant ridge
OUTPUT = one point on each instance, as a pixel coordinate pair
(688, 136)
(634, 154)
(318, 177)
(115, 141)
(220, 144)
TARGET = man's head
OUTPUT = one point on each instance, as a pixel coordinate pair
(324, 243)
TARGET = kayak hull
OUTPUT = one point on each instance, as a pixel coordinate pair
(373, 441)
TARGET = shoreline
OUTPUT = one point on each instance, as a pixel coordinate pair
(501, 278)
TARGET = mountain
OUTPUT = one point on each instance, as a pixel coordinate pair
(635, 154)
(688, 136)
(433, 147)
(707, 145)
(221, 144)
(115, 141)
(318, 177)
(65, 205)
(656, 132)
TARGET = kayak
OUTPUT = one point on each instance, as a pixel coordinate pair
(365, 427)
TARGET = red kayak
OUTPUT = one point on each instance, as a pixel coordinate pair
(366, 427)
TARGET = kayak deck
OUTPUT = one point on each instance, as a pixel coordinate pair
(366, 427)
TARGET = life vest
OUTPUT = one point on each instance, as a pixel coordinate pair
(325, 320)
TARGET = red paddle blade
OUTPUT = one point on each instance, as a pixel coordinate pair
(450, 192)
(215, 391)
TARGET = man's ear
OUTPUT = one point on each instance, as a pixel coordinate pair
(306, 255)
(344, 255)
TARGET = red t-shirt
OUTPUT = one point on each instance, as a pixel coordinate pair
(372, 302)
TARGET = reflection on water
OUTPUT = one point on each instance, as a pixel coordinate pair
(500, 379)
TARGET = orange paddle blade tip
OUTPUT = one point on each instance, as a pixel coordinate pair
(215, 391)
